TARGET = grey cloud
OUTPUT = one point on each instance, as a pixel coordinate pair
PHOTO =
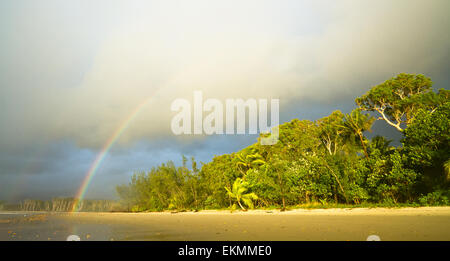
(76, 71)
(65, 85)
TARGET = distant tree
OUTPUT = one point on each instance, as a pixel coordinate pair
(380, 144)
(247, 160)
(358, 123)
(297, 139)
(125, 193)
(398, 99)
(331, 131)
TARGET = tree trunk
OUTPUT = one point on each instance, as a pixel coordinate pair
(239, 202)
(340, 186)
(335, 195)
(363, 145)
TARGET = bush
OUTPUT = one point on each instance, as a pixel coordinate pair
(436, 198)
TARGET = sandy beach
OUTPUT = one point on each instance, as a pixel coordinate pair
(425, 223)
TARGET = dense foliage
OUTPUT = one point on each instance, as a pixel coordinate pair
(326, 161)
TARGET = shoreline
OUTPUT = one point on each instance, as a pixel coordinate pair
(440, 210)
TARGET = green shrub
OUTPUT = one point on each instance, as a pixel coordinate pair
(436, 198)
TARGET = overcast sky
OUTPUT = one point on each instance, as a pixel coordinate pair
(72, 71)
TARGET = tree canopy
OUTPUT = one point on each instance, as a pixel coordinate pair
(327, 161)
(398, 99)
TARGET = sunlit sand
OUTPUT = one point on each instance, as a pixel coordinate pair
(426, 223)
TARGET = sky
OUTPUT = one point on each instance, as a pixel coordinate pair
(71, 72)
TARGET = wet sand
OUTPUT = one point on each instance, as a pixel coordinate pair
(427, 223)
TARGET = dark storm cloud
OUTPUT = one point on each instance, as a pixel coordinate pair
(71, 73)
(76, 73)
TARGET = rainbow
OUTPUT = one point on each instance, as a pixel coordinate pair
(103, 152)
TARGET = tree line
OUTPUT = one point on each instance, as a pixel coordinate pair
(63, 205)
(327, 161)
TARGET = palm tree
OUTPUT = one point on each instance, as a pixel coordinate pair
(381, 144)
(238, 193)
(447, 168)
(357, 123)
(248, 161)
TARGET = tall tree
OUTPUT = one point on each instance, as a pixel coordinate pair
(357, 123)
(398, 99)
(330, 131)
(247, 160)
(380, 144)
